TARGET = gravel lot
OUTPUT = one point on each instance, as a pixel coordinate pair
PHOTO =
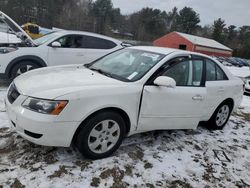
(189, 158)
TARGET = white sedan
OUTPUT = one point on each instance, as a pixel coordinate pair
(132, 90)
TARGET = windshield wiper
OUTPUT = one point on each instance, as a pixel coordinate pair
(107, 74)
(101, 72)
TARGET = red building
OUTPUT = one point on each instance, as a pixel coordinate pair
(193, 43)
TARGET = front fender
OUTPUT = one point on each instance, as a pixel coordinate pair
(33, 58)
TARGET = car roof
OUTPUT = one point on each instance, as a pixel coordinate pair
(71, 32)
(166, 51)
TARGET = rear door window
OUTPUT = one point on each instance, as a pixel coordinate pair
(97, 43)
(210, 71)
(214, 72)
(84, 41)
(220, 75)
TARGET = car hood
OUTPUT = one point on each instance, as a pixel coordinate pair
(14, 28)
(53, 82)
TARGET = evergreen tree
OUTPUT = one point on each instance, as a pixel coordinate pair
(218, 29)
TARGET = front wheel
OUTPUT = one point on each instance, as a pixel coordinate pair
(101, 135)
(220, 117)
(22, 67)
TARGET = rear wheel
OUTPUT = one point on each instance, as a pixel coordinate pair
(101, 135)
(22, 67)
(220, 117)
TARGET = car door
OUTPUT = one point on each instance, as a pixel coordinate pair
(174, 108)
(70, 51)
(80, 49)
(96, 47)
(217, 84)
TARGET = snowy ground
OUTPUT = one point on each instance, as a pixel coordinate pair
(239, 71)
(192, 158)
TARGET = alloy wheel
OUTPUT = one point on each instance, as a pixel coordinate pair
(222, 115)
(23, 69)
(104, 136)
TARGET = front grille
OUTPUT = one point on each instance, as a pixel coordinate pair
(12, 93)
(247, 90)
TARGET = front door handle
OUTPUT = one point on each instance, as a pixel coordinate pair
(197, 98)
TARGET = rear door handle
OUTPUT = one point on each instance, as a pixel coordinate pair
(221, 89)
(79, 54)
(197, 98)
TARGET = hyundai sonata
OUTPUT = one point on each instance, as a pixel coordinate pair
(132, 90)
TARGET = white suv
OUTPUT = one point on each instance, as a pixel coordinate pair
(57, 48)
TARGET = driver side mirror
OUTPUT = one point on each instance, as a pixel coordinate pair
(56, 44)
(165, 81)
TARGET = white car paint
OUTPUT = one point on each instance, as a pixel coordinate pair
(8, 38)
(45, 55)
(149, 107)
(244, 74)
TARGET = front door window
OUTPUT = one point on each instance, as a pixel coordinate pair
(186, 72)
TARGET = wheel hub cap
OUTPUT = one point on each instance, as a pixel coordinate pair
(104, 136)
(24, 69)
(222, 115)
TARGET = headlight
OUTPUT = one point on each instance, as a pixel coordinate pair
(6, 50)
(44, 106)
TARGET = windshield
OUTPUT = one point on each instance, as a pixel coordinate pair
(46, 38)
(127, 64)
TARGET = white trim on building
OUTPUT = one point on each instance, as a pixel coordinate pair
(201, 41)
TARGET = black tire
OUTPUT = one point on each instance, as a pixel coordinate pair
(22, 67)
(213, 122)
(91, 124)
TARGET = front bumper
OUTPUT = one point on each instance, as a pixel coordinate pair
(39, 128)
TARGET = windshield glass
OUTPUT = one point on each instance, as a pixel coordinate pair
(46, 38)
(127, 64)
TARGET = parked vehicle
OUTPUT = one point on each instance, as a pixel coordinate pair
(234, 62)
(247, 85)
(241, 61)
(225, 63)
(222, 60)
(248, 61)
(57, 48)
(32, 30)
(129, 91)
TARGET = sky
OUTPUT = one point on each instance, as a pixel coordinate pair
(234, 12)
